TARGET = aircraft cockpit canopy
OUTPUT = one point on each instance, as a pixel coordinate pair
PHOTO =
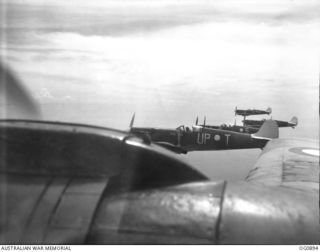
(182, 128)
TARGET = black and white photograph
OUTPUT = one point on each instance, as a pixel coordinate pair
(159, 122)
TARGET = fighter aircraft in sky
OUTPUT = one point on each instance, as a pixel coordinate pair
(198, 138)
(257, 123)
(249, 112)
(250, 126)
(63, 183)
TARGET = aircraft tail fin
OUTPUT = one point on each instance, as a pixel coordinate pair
(294, 121)
(132, 120)
(268, 130)
(269, 110)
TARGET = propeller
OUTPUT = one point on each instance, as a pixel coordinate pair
(145, 136)
(269, 110)
(235, 115)
(15, 101)
(204, 124)
(132, 120)
(197, 121)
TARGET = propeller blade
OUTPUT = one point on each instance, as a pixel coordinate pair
(132, 120)
(197, 121)
(15, 101)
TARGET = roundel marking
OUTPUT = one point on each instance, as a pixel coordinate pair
(305, 151)
(217, 138)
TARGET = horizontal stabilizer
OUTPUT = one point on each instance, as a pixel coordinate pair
(268, 130)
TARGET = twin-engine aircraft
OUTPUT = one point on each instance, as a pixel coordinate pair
(63, 183)
(202, 138)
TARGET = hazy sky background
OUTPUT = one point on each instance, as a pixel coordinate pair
(98, 62)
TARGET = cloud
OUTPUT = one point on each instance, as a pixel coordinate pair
(122, 18)
(202, 57)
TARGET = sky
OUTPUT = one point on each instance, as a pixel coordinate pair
(98, 62)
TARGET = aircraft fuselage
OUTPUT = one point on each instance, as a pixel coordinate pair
(248, 112)
(258, 123)
(203, 139)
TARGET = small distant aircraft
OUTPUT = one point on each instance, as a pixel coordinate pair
(248, 112)
(202, 138)
(252, 126)
(257, 123)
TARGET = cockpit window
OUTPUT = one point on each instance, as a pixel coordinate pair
(181, 128)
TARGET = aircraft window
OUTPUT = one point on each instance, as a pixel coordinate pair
(181, 128)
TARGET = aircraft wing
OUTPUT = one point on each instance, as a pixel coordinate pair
(70, 184)
(171, 147)
(288, 163)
